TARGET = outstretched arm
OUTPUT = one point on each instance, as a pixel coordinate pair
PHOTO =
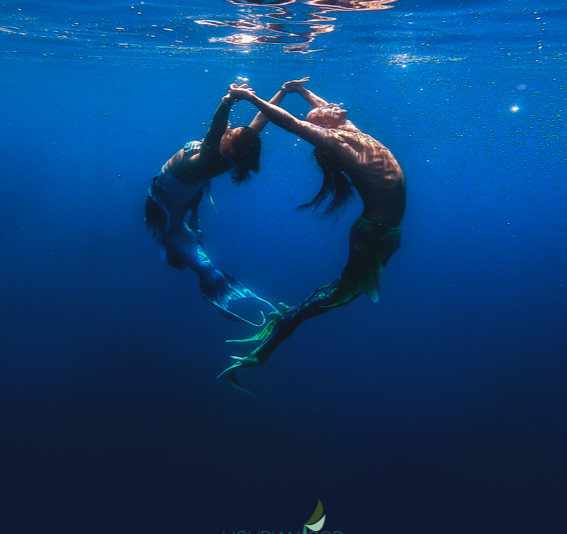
(260, 120)
(218, 126)
(296, 86)
(311, 133)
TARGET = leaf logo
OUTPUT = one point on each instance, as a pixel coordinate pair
(316, 521)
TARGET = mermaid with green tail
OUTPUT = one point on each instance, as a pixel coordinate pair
(349, 160)
(371, 246)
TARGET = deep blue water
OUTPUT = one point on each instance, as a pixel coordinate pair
(441, 409)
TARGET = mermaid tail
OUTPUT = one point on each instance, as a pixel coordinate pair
(230, 374)
(371, 245)
(180, 247)
(269, 337)
(241, 361)
(219, 288)
(280, 326)
(264, 334)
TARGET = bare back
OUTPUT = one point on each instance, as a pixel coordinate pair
(208, 162)
(190, 168)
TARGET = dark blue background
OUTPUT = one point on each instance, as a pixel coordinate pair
(441, 409)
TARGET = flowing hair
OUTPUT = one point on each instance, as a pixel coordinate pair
(335, 185)
(246, 156)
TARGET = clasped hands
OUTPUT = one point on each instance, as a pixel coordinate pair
(243, 92)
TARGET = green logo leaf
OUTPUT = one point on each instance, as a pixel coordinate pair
(316, 521)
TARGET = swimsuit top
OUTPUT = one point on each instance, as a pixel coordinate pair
(192, 147)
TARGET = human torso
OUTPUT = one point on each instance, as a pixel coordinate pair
(187, 166)
(376, 175)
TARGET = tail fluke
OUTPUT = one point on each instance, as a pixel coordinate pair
(220, 288)
(230, 374)
(263, 334)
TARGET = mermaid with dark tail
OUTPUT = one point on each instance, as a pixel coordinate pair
(178, 189)
(349, 159)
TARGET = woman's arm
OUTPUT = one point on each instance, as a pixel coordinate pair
(218, 125)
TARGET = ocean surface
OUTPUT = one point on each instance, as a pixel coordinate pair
(442, 409)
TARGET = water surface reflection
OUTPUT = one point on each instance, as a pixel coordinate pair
(278, 22)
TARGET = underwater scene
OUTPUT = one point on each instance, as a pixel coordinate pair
(141, 229)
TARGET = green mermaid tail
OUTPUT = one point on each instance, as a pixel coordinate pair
(259, 355)
(230, 374)
(371, 245)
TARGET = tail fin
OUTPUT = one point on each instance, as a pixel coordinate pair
(230, 376)
(230, 372)
(219, 288)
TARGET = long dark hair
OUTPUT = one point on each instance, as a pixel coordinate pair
(246, 148)
(335, 185)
